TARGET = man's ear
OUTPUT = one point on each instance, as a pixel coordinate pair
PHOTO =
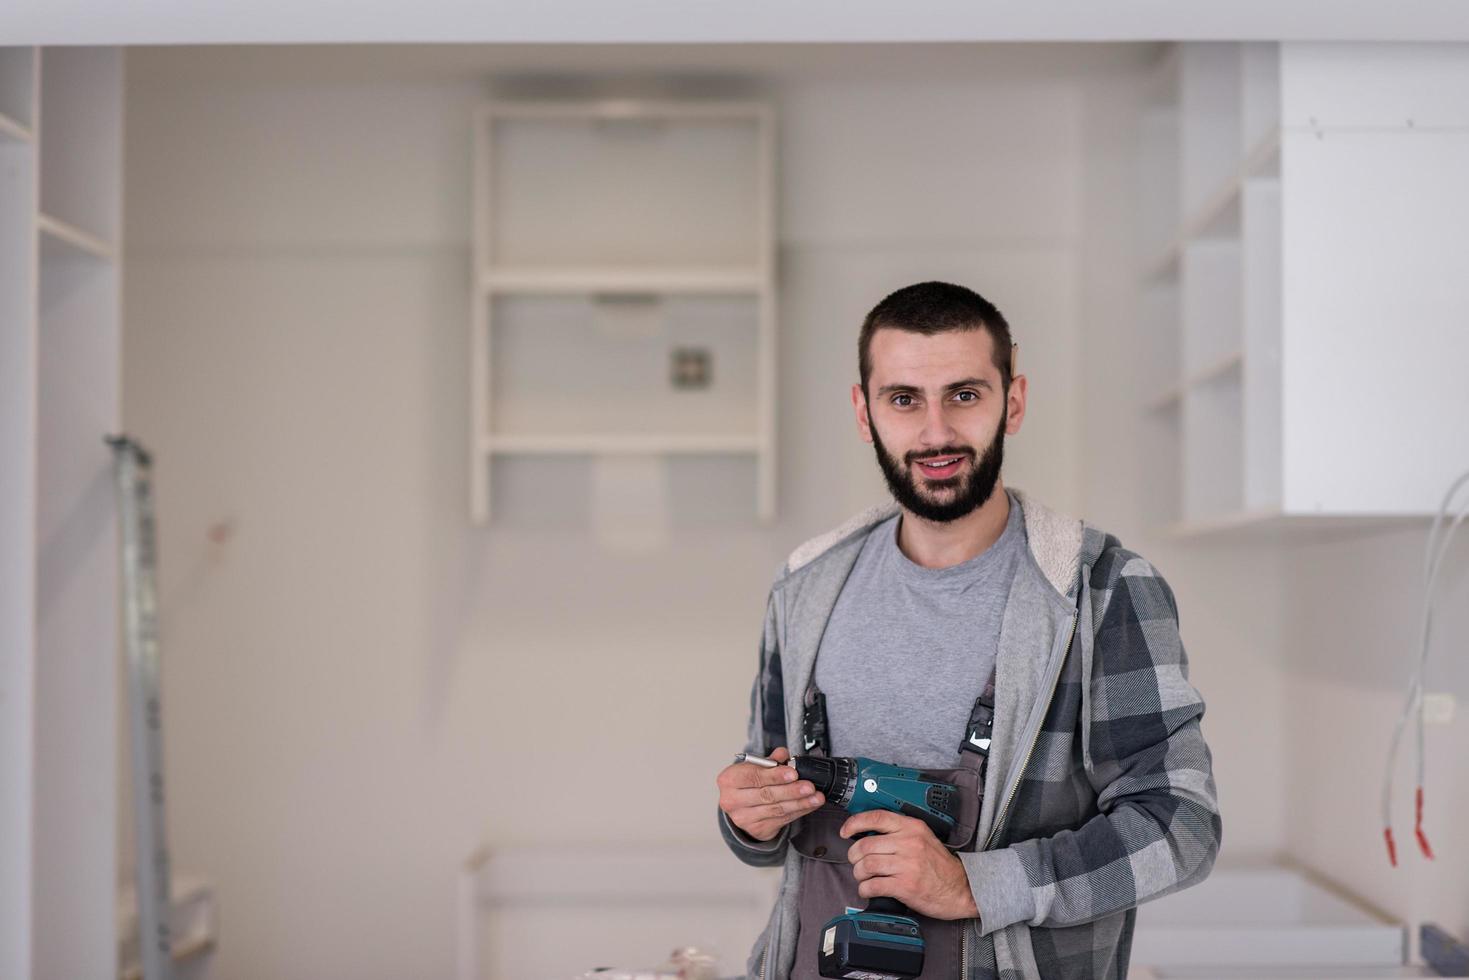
(859, 406)
(1015, 404)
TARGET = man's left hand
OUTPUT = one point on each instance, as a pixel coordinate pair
(907, 862)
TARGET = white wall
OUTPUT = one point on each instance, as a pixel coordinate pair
(360, 689)
(1352, 620)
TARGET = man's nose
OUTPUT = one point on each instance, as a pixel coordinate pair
(936, 428)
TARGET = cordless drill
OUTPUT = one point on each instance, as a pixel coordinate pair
(882, 941)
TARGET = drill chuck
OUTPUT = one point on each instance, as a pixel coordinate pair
(835, 778)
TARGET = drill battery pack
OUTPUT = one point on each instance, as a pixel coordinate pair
(866, 945)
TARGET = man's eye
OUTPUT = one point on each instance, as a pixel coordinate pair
(902, 401)
(967, 395)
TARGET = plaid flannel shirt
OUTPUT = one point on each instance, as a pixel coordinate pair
(1107, 803)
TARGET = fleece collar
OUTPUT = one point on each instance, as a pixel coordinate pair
(1055, 540)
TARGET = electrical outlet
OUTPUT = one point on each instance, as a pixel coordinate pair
(691, 367)
(1438, 708)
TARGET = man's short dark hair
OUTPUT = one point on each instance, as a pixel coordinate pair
(935, 307)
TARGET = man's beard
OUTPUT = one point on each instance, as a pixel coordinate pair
(973, 489)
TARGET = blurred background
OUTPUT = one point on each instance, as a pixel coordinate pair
(489, 385)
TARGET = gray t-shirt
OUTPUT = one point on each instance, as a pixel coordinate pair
(909, 648)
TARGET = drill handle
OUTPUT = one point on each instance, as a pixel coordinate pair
(887, 906)
(882, 903)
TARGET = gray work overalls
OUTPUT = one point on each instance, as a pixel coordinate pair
(828, 886)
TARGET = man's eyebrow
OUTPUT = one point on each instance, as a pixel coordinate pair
(965, 383)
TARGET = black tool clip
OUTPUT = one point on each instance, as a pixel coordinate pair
(813, 727)
(980, 728)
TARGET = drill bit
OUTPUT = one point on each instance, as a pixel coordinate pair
(759, 760)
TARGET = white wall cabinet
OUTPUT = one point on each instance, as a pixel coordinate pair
(1304, 313)
(60, 335)
(608, 234)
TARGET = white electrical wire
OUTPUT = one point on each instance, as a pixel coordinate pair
(1438, 545)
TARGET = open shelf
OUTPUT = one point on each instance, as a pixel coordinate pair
(1219, 215)
(592, 365)
(81, 141)
(1210, 302)
(1194, 291)
(613, 239)
(1213, 448)
(623, 184)
(1209, 107)
(1158, 340)
(59, 238)
(60, 393)
(17, 94)
(1221, 367)
(622, 280)
(14, 131)
(1356, 203)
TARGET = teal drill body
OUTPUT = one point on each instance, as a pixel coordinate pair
(858, 785)
(904, 791)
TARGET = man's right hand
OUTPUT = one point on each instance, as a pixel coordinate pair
(760, 801)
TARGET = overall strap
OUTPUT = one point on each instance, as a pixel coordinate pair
(973, 751)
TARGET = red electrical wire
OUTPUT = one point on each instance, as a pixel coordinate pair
(1418, 829)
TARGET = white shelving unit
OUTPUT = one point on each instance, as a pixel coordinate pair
(653, 220)
(17, 502)
(1297, 201)
(60, 393)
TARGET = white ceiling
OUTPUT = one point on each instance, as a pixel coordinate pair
(720, 21)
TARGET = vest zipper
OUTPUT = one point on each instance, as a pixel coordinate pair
(1009, 797)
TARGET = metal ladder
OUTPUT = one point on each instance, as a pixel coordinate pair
(131, 465)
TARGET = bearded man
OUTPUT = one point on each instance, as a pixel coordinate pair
(887, 637)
